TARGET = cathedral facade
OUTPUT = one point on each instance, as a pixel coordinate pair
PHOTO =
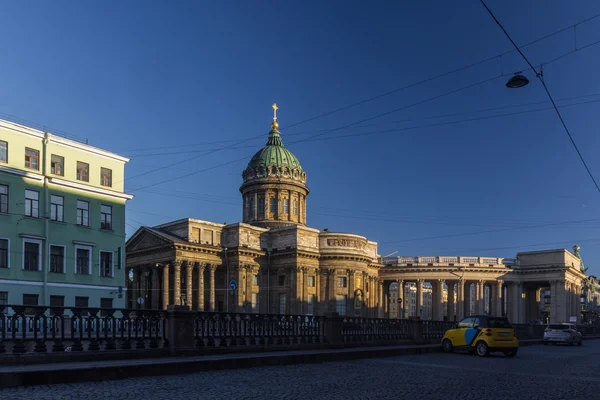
(271, 262)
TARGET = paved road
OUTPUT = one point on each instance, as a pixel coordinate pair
(536, 372)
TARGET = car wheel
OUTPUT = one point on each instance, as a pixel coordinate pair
(511, 353)
(482, 349)
(447, 346)
(580, 342)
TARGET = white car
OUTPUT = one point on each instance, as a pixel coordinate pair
(563, 333)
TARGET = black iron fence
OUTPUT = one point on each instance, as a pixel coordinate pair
(367, 330)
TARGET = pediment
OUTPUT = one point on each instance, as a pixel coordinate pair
(145, 239)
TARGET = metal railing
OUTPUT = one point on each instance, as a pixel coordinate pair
(230, 330)
(39, 329)
(436, 329)
(375, 329)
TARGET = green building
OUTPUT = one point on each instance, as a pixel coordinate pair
(62, 221)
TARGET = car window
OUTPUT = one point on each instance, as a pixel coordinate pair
(476, 322)
(498, 323)
(558, 326)
(466, 323)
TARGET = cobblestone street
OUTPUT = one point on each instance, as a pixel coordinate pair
(536, 372)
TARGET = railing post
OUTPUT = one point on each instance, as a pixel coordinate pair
(332, 329)
(180, 328)
(416, 330)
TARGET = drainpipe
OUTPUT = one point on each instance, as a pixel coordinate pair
(46, 264)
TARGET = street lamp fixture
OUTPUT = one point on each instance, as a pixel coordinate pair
(517, 81)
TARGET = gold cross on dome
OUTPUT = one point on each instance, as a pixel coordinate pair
(275, 108)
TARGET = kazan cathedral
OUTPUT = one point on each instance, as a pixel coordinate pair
(271, 262)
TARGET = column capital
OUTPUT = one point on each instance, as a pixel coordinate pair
(177, 263)
(441, 281)
(201, 266)
(500, 282)
(212, 267)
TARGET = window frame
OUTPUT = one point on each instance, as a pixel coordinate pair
(40, 244)
(273, 205)
(342, 282)
(7, 194)
(79, 176)
(282, 302)
(112, 263)
(78, 222)
(55, 212)
(294, 207)
(64, 261)
(103, 174)
(32, 157)
(7, 252)
(91, 255)
(6, 149)
(60, 161)
(2, 299)
(31, 205)
(285, 206)
(57, 297)
(37, 296)
(311, 281)
(102, 214)
(339, 307)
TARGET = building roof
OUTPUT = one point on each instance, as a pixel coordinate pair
(275, 154)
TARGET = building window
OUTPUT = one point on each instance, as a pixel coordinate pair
(273, 205)
(342, 282)
(285, 206)
(57, 301)
(105, 177)
(295, 207)
(4, 199)
(83, 262)
(32, 203)
(106, 217)
(281, 280)
(340, 304)
(4, 253)
(255, 303)
(310, 281)
(255, 280)
(30, 299)
(57, 208)
(57, 259)
(83, 171)
(261, 207)
(32, 159)
(105, 303)
(83, 213)
(251, 208)
(3, 151)
(106, 264)
(281, 303)
(3, 298)
(32, 255)
(82, 302)
(311, 305)
(57, 165)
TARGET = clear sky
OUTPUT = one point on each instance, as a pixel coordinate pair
(167, 82)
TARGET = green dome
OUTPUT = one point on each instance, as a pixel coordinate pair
(275, 155)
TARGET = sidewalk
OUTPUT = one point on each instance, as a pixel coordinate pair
(85, 371)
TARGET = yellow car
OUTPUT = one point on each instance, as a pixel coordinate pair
(483, 335)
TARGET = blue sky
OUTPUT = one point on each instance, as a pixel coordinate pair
(168, 82)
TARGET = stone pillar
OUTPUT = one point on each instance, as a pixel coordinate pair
(331, 302)
(438, 301)
(155, 291)
(189, 269)
(380, 313)
(450, 305)
(201, 267)
(578, 303)
(165, 286)
(318, 298)
(177, 282)
(350, 302)
(460, 299)
(401, 298)
(498, 299)
(299, 291)
(249, 288)
(419, 303)
(480, 295)
(211, 299)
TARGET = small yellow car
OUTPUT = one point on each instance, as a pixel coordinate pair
(482, 334)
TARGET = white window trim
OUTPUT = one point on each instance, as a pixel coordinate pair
(38, 242)
(8, 255)
(88, 248)
(64, 268)
(112, 267)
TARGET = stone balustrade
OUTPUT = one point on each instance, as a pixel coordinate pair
(425, 260)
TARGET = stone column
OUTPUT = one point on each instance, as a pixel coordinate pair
(155, 291)
(401, 297)
(460, 299)
(177, 282)
(438, 301)
(318, 299)
(249, 288)
(201, 267)
(450, 305)
(189, 269)
(211, 299)
(165, 286)
(331, 303)
(480, 297)
(299, 291)
(350, 302)
(578, 303)
(419, 303)
(380, 313)
(498, 299)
